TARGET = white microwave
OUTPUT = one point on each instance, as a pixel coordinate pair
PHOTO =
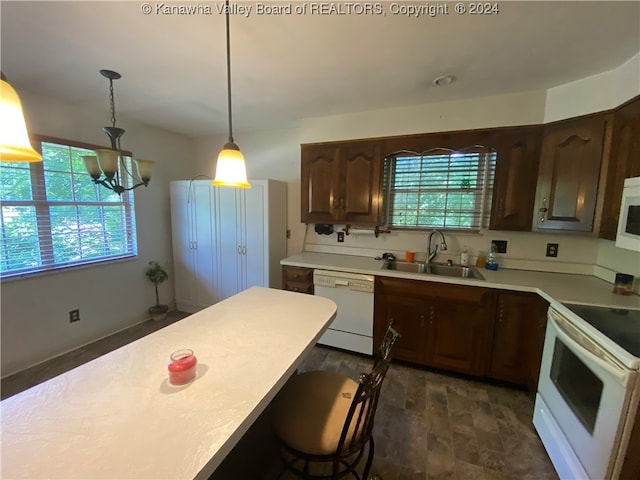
(628, 235)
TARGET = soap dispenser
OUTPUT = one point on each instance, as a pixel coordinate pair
(492, 263)
(464, 257)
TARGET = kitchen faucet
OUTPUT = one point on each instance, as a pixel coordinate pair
(443, 246)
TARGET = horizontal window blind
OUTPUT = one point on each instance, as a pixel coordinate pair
(53, 216)
(440, 188)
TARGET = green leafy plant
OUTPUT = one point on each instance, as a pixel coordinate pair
(157, 274)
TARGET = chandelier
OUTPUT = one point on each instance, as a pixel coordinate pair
(105, 161)
(230, 167)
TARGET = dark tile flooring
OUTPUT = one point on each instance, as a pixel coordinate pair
(428, 425)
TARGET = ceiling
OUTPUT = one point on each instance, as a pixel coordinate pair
(293, 66)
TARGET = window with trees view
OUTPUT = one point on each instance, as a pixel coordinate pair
(53, 216)
(440, 188)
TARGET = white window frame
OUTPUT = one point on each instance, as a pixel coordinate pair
(86, 228)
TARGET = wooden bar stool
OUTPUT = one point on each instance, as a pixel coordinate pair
(324, 420)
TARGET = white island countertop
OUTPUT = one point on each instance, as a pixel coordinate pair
(117, 417)
(554, 287)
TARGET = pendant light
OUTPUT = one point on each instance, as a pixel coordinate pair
(106, 161)
(230, 167)
(14, 139)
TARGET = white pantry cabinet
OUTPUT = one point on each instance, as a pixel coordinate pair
(226, 240)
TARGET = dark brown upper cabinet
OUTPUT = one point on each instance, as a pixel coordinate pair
(624, 162)
(342, 183)
(514, 189)
(571, 158)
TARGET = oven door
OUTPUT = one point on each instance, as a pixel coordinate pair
(586, 393)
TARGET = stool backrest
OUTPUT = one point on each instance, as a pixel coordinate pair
(359, 422)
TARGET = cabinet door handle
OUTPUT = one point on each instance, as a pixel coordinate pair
(543, 210)
(422, 320)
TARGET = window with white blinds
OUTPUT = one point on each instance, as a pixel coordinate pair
(53, 216)
(440, 188)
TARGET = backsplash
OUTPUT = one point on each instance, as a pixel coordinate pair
(525, 250)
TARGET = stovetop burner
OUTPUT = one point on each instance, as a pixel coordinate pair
(621, 326)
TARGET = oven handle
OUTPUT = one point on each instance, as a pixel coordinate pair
(596, 354)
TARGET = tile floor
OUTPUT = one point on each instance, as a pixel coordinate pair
(428, 425)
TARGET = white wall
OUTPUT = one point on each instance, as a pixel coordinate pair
(35, 311)
(599, 92)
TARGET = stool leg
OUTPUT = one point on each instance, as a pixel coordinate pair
(367, 467)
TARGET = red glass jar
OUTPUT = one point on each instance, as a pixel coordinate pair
(182, 368)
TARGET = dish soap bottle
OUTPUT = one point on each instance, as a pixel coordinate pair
(464, 257)
(492, 263)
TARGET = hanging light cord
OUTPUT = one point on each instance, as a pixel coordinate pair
(229, 73)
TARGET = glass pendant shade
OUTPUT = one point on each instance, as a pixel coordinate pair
(108, 161)
(230, 168)
(14, 139)
(92, 166)
(145, 169)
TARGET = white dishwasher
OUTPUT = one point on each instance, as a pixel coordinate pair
(352, 328)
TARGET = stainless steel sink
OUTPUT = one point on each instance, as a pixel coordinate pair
(435, 269)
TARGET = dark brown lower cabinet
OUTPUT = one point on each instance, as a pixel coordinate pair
(297, 279)
(518, 338)
(442, 325)
(472, 330)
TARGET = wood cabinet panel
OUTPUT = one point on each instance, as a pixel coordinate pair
(473, 330)
(624, 162)
(442, 325)
(518, 157)
(341, 183)
(459, 336)
(569, 174)
(320, 172)
(407, 316)
(518, 338)
(362, 172)
(297, 279)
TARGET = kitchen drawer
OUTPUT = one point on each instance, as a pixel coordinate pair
(297, 279)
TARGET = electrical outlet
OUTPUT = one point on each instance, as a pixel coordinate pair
(552, 249)
(288, 233)
(340, 236)
(501, 245)
(74, 315)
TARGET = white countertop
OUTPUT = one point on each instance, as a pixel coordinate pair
(554, 287)
(117, 416)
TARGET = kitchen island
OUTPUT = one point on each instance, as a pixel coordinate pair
(119, 417)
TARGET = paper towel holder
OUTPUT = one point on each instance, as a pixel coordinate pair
(376, 231)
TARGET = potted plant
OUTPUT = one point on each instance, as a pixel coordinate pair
(157, 274)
